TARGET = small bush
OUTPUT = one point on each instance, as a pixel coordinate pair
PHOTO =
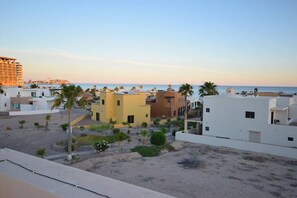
(147, 151)
(101, 145)
(158, 138)
(128, 132)
(157, 122)
(22, 122)
(116, 131)
(8, 128)
(164, 129)
(143, 125)
(64, 126)
(36, 124)
(40, 152)
(82, 128)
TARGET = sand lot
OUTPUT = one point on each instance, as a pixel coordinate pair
(193, 171)
(29, 139)
(215, 172)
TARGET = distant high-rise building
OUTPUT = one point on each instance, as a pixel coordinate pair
(11, 72)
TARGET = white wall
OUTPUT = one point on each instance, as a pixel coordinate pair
(13, 113)
(227, 119)
(248, 146)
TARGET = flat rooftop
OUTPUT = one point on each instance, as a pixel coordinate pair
(20, 172)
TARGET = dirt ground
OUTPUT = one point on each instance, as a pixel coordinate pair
(207, 171)
(29, 139)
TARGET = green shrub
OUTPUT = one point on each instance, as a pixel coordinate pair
(147, 151)
(37, 125)
(128, 132)
(157, 122)
(99, 128)
(163, 129)
(64, 126)
(8, 128)
(158, 138)
(101, 145)
(40, 152)
(116, 131)
(81, 128)
(22, 122)
(143, 125)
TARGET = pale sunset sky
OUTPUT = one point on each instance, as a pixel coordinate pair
(229, 42)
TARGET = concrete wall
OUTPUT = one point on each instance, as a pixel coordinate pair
(241, 145)
(13, 113)
(11, 188)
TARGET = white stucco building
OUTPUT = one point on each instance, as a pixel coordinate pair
(21, 101)
(267, 120)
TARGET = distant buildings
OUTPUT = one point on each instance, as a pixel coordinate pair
(11, 73)
(168, 103)
(121, 107)
(268, 120)
(50, 81)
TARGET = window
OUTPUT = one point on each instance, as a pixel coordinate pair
(206, 128)
(102, 102)
(250, 114)
(42, 94)
(16, 106)
(118, 102)
(146, 115)
(33, 94)
(207, 109)
(30, 103)
(130, 118)
(5, 105)
(290, 139)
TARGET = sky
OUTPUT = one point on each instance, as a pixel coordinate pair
(229, 42)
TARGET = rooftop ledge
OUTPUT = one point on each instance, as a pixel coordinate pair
(29, 176)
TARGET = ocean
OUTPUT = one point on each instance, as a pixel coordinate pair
(221, 89)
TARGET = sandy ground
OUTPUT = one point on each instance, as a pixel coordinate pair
(193, 171)
(29, 139)
(216, 172)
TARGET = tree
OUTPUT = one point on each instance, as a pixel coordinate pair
(116, 89)
(133, 88)
(105, 88)
(121, 87)
(69, 96)
(47, 118)
(207, 89)
(140, 87)
(22, 122)
(186, 90)
(34, 86)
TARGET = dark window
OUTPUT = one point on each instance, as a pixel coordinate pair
(5, 94)
(5, 105)
(290, 139)
(118, 102)
(207, 109)
(146, 115)
(31, 103)
(131, 118)
(206, 128)
(250, 114)
(42, 94)
(102, 102)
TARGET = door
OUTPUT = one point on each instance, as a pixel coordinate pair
(97, 116)
(254, 136)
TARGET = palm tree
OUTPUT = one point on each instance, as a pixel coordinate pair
(47, 118)
(116, 89)
(133, 88)
(34, 86)
(207, 89)
(186, 90)
(105, 88)
(69, 97)
(140, 87)
(121, 87)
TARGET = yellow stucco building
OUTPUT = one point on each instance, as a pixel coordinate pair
(122, 107)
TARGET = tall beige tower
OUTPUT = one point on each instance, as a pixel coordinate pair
(10, 72)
